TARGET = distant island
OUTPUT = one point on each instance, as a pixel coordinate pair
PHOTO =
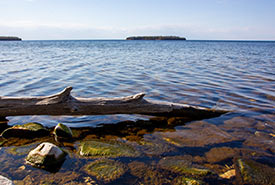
(8, 38)
(155, 38)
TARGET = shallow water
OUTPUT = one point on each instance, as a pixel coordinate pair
(236, 76)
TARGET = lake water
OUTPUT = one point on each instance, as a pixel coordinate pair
(237, 76)
(233, 75)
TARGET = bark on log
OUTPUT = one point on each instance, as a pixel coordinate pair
(65, 104)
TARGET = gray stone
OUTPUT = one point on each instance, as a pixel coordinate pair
(45, 155)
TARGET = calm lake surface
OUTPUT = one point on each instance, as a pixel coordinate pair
(233, 75)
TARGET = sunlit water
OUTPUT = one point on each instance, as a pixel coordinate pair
(229, 75)
(237, 76)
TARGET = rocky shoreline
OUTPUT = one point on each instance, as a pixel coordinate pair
(132, 152)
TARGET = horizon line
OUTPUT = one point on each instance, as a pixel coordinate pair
(124, 39)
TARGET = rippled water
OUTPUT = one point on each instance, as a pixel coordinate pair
(236, 76)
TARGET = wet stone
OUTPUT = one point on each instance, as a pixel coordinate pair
(249, 171)
(149, 174)
(107, 149)
(220, 154)
(62, 131)
(39, 178)
(45, 155)
(239, 127)
(197, 134)
(154, 146)
(5, 181)
(105, 170)
(28, 130)
(18, 150)
(262, 140)
(187, 181)
(178, 164)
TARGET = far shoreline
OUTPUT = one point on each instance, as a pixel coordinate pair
(10, 38)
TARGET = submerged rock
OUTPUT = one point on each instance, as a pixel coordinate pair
(45, 155)
(5, 181)
(178, 164)
(149, 174)
(154, 146)
(19, 150)
(38, 177)
(28, 130)
(219, 154)
(249, 171)
(62, 131)
(197, 134)
(105, 169)
(107, 149)
(187, 181)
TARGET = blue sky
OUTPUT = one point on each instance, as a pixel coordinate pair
(117, 19)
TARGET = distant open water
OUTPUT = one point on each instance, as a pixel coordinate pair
(233, 75)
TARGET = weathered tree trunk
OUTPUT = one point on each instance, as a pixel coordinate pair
(65, 104)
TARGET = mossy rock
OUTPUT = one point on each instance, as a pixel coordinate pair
(28, 130)
(107, 149)
(63, 131)
(45, 155)
(105, 169)
(249, 171)
(187, 181)
(182, 166)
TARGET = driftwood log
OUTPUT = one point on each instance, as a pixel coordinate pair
(65, 104)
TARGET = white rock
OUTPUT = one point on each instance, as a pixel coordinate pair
(45, 154)
(5, 181)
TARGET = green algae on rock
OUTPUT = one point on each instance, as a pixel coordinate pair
(46, 155)
(107, 149)
(105, 169)
(249, 171)
(63, 131)
(178, 164)
(149, 174)
(187, 181)
(28, 130)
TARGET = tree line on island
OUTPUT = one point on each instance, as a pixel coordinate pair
(9, 38)
(155, 38)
